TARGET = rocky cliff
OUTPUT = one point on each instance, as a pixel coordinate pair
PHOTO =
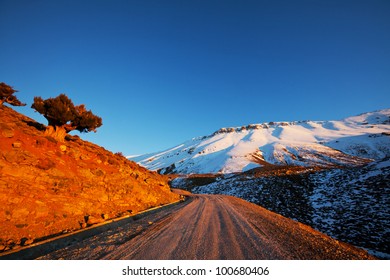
(48, 187)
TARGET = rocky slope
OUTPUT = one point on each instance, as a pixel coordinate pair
(351, 141)
(48, 187)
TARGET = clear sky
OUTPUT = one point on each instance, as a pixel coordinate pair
(162, 72)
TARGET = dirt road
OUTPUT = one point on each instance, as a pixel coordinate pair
(211, 227)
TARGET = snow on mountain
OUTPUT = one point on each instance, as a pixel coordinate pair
(351, 141)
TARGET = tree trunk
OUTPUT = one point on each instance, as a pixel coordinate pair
(57, 132)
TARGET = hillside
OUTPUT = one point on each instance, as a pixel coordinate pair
(351, 141)
(48, 187)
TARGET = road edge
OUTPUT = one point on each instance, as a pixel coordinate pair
(47, 246)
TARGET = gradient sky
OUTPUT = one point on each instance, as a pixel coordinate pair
(162, 72)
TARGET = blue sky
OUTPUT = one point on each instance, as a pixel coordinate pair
(162, 72)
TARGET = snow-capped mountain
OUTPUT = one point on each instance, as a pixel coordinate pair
(351, 141)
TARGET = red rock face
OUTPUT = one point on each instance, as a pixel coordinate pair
(47, 187)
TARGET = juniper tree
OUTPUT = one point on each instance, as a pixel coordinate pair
(63, 116)
(7, 95)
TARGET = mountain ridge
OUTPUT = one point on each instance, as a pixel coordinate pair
(354, 140)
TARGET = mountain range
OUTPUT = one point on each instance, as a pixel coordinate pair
(349, 142)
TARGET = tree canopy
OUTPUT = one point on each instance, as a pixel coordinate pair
(62, 114)
(7, 95)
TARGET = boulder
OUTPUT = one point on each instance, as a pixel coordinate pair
(17, 144)
(26, 241)
(92, 220)
(45, 164)
(7, 133)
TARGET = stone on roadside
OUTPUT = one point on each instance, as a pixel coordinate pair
(91, 220)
